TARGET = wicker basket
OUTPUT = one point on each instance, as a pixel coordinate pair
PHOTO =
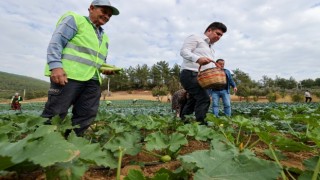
(213, 78)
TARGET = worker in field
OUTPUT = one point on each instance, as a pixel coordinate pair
(179, 100)
(15, 102)
(76, 51)
(307, 95)
(223, 93)
(198, 50)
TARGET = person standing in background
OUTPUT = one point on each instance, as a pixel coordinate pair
(15, 102)
(223, 93)
(179, 99)
(76, 51)
(197, 50)
(307, 95)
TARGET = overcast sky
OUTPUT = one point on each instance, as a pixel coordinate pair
(265, 37)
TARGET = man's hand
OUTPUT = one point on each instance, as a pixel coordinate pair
(217, 65)
(58, 76)
(204, 61)
(235, 89)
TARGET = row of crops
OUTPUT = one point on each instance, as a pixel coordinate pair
(253, 144)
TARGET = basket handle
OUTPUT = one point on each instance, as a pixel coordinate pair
(208, 63)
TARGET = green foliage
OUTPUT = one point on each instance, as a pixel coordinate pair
(160, 91)
(174, 85)
(317, 94)
(128, 140)
(293, 127)
(243, 91)
(225, 162)
(272, 97)
(283, 93)
(162, 174)
(170, 144)
(308, 83)
(11, 83)
(143, 77)
(297, 97)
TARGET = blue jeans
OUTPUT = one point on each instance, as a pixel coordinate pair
(225, 96)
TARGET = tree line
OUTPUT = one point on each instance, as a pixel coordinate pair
(161, 75)
(162, 79)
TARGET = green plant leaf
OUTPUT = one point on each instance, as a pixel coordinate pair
(92, 153)
(129, 141)
(161, 141)
(278, 153)
(229, 165)
(135, 175)
(176, 141)
(66, 171)
(5, 162)
(50, 149)
(156, 141)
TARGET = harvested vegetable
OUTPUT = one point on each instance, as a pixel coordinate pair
(108, 67)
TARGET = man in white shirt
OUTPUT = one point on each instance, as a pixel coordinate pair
(307, 95)
(196, 50)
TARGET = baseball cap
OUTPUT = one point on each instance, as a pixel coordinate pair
(115, 11)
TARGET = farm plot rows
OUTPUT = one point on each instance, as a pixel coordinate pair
(145, 141)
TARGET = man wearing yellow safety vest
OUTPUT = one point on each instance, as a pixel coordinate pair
(76, 51)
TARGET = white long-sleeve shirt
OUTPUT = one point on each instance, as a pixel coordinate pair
(192, 49)
(307, 94)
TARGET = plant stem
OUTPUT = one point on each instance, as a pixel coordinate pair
(290, 175)
(151, 153)
(119, 162)
(224, 134)
(316, 170)
(238, 136)
(110, 139)
(253, 144)
(247, 143)
(307, 130)
(277, 160)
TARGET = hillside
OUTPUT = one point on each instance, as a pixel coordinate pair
(11, 83)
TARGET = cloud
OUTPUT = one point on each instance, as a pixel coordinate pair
(273, 38)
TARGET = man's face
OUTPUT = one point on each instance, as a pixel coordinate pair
(221, 63)
(100, 15)
(214, 35)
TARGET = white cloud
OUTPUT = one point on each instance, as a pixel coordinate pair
(267, 37)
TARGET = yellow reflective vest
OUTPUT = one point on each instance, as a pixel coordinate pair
(83, 55)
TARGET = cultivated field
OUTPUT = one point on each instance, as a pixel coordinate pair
(138, 140)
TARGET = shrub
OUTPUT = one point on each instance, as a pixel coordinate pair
(160, 91)
(272, 97)
(317, 94)
(297, 97)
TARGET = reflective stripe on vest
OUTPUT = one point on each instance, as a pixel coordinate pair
(81, 60)
(86, 50)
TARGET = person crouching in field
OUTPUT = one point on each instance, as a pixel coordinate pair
(179, 99)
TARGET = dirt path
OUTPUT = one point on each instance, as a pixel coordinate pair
(147, 95)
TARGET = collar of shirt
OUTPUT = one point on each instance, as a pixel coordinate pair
(98, 29)
(206, 39)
